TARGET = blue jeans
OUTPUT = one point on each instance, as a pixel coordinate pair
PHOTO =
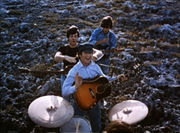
(94, 116)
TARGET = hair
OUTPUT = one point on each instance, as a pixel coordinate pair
(107, 22)
(118, 127)
(72, 30)
(84, 46)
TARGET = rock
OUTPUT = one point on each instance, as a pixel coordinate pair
(31, 32)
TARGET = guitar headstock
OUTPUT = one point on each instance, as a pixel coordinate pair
(134, 70)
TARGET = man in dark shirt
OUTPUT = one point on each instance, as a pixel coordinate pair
(68, 53)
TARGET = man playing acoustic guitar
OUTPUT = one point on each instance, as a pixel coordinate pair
(85, 69)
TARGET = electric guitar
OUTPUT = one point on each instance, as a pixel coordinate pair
(114, 50)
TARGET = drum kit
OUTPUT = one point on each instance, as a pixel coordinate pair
(55, 112)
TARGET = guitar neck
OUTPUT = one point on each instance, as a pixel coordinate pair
(113, 50)
(46, 72)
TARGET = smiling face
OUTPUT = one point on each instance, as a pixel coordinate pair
(86, 58)
(73, 40)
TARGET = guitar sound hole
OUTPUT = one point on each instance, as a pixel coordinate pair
(100, 89)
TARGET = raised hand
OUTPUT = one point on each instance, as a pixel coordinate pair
(105, 40)
(122, 77)
(78, 80)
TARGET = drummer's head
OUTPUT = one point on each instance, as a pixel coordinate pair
(118, 127)
(85, 53)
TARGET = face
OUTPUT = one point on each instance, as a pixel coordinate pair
(105, 30)
(86, 58)
(73, 39)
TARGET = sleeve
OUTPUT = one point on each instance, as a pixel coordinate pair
(113, 40)
(93, 38)
(61, 49)
(68, 87)
(102, 74)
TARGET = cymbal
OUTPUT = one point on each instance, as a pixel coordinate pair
(50, 111)
(76, 125)
(129, 111)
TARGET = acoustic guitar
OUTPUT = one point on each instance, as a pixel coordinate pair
(91, 91)
(87, 95)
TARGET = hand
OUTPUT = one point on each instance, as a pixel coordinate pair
(78, 80)
(105, 40)
(94, 58)
(97, 55)
(70, 59)
(122, 77)
(102, 41)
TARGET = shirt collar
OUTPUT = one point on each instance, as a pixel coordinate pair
(81, 65)
(101, 31)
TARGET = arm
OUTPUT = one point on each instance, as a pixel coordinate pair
(98, 38)
(105, 40)
(97, 55)
(69, 87)
(113, 40)
(102, 74)
(59, 58)
(94, 37)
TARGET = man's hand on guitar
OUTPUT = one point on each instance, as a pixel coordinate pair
(122, 77)
(78, 80)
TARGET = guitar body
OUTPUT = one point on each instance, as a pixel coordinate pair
(86, 95)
